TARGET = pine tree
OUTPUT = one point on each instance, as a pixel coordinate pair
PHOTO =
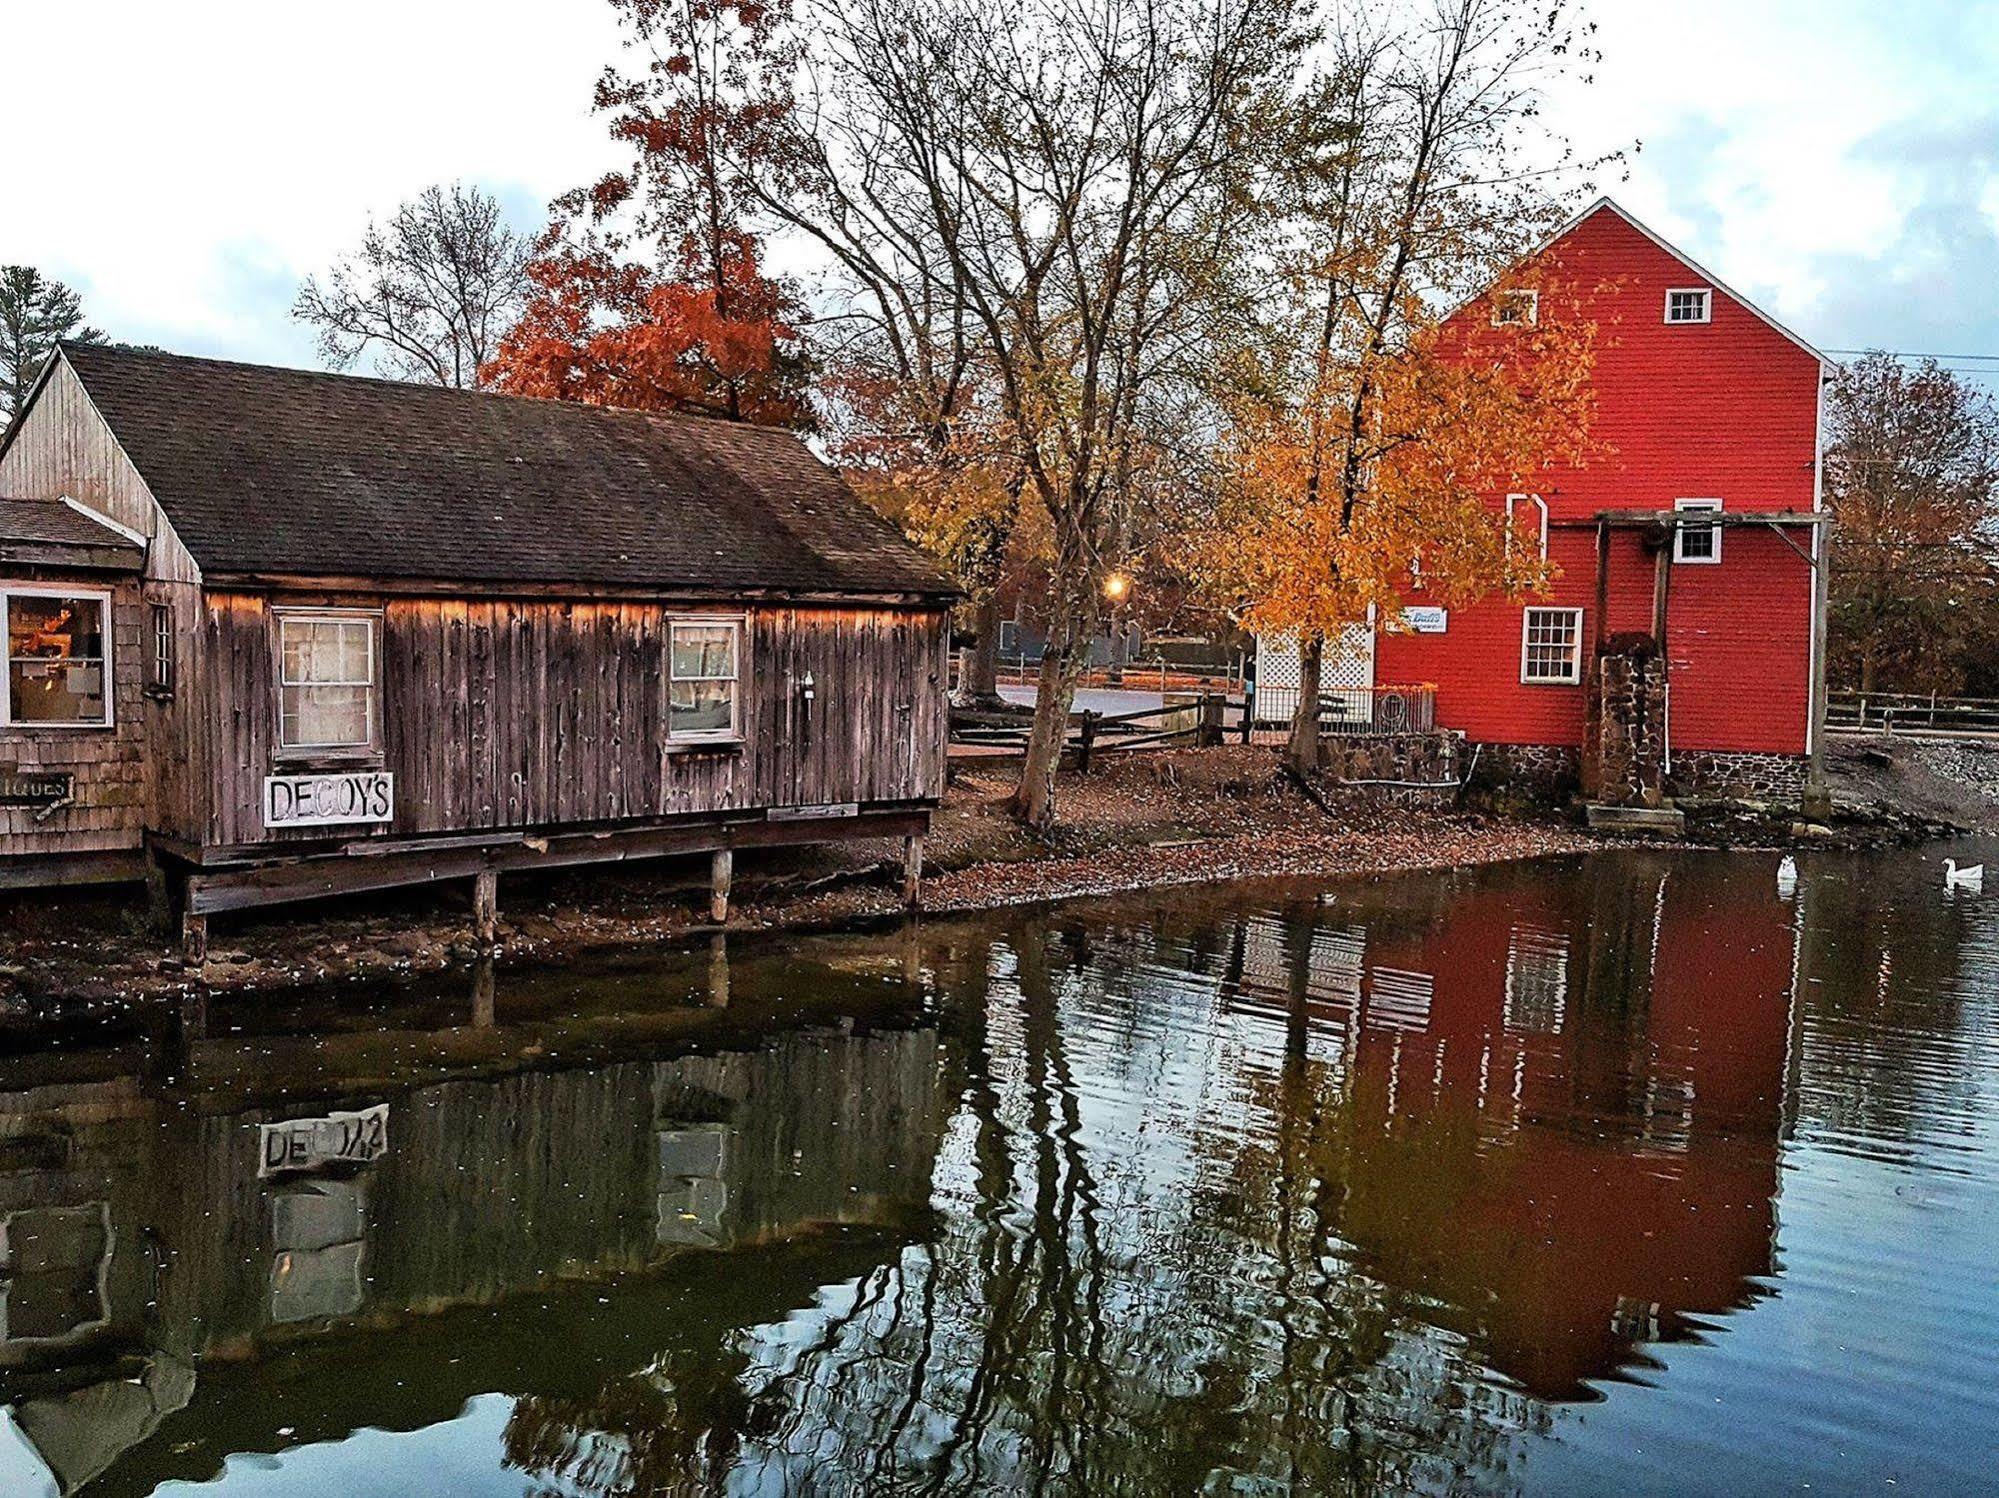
(35, 315)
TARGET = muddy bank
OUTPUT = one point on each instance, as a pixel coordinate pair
(1166, 819)
(1138, 822)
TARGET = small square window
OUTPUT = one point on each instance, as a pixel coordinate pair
(702, 667)
(1516, 309)
(1692, 541)
(1689, 304)
(1551, 647)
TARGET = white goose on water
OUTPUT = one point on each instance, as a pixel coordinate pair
(1968, 878)
(1787, 877)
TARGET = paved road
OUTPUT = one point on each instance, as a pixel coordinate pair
(1094, 699)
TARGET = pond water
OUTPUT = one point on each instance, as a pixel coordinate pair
(1631, 1174)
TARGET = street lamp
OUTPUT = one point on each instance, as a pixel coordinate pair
(1116, 587)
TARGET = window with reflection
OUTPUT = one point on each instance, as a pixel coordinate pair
(701, 697)
(58, 657)
(326, 665)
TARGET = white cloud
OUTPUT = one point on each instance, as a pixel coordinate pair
(184, 165)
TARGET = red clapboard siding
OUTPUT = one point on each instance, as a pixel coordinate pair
(1723, 410)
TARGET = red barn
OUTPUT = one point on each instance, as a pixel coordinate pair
(1685, 549)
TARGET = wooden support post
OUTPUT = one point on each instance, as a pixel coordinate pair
(485, 989)
(720, 872)
(193, 938)
(1086, 738)
(1662, 573)
(718, 971)
(1210, 736)
(912, 871)
(486, 906)
(1602, 622)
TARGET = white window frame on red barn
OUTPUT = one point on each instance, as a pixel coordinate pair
(1680, 532)
(1575, 667)
(1705, 293)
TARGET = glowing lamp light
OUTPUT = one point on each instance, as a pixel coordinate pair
(1116, 586)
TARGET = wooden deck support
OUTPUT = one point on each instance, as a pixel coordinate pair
(193, 938)
(721, 871)
(912, 871)
(486, 906)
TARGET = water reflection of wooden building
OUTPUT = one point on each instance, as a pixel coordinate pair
(143, 1244)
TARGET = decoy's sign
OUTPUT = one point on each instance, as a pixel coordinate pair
(329, 800)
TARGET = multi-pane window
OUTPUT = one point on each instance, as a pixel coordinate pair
(58, 657)
(702, 666)
(326, 681)
(1551, 646)
(1690, 304)
(161, 681)
(1516, 309)
(1692, 540)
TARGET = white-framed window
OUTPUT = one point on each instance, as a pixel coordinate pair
(1686, 304)
(1519, 308)
(1538, 509)
(1695, 543)
(1551, 647)
(327, 681)
(58, 656)
(703, 666)
(160, 676)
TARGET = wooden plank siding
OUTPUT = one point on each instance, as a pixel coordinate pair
(521, 714)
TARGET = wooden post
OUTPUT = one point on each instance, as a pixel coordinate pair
(193, 938)
(486, 906)
(720, 871)
(912, 871)
(1210, 736)
(1602, 623)
(1662, 572)
(1086, 738)
(485, 988)
(718, 971)
(1818, 797)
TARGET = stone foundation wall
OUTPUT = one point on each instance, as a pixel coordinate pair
(1737, 774)
(1546, 772)
(1628, 727)
(1411, 768)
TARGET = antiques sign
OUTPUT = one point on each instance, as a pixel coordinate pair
(312, 1143)
(20, 787)
(328, 800)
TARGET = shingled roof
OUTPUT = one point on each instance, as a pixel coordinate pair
(287, 472)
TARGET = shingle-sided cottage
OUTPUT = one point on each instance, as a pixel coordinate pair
(276, 634)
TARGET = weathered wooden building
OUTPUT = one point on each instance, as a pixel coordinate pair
(278, 634)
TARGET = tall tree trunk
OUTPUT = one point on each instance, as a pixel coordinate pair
(978, 672)
(1055, 694)
(1303, 749)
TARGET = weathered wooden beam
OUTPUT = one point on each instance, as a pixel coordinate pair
(486, 906)
(1662, 574)
(721, 872)
(289, 877)
(912, 871)
(193, 938)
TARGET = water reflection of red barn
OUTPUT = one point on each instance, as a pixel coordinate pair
(1562, 1108)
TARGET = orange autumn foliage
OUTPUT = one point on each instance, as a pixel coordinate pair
(616, 333)
(1455, 422)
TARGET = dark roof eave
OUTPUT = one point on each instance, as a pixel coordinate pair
(107, 558)
(454, 587)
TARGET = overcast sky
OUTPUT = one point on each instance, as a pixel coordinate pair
(185, 165)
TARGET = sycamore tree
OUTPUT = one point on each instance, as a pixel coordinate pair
(1912, 480)
(1066, 187)
(1371, 440)
(649, 289)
